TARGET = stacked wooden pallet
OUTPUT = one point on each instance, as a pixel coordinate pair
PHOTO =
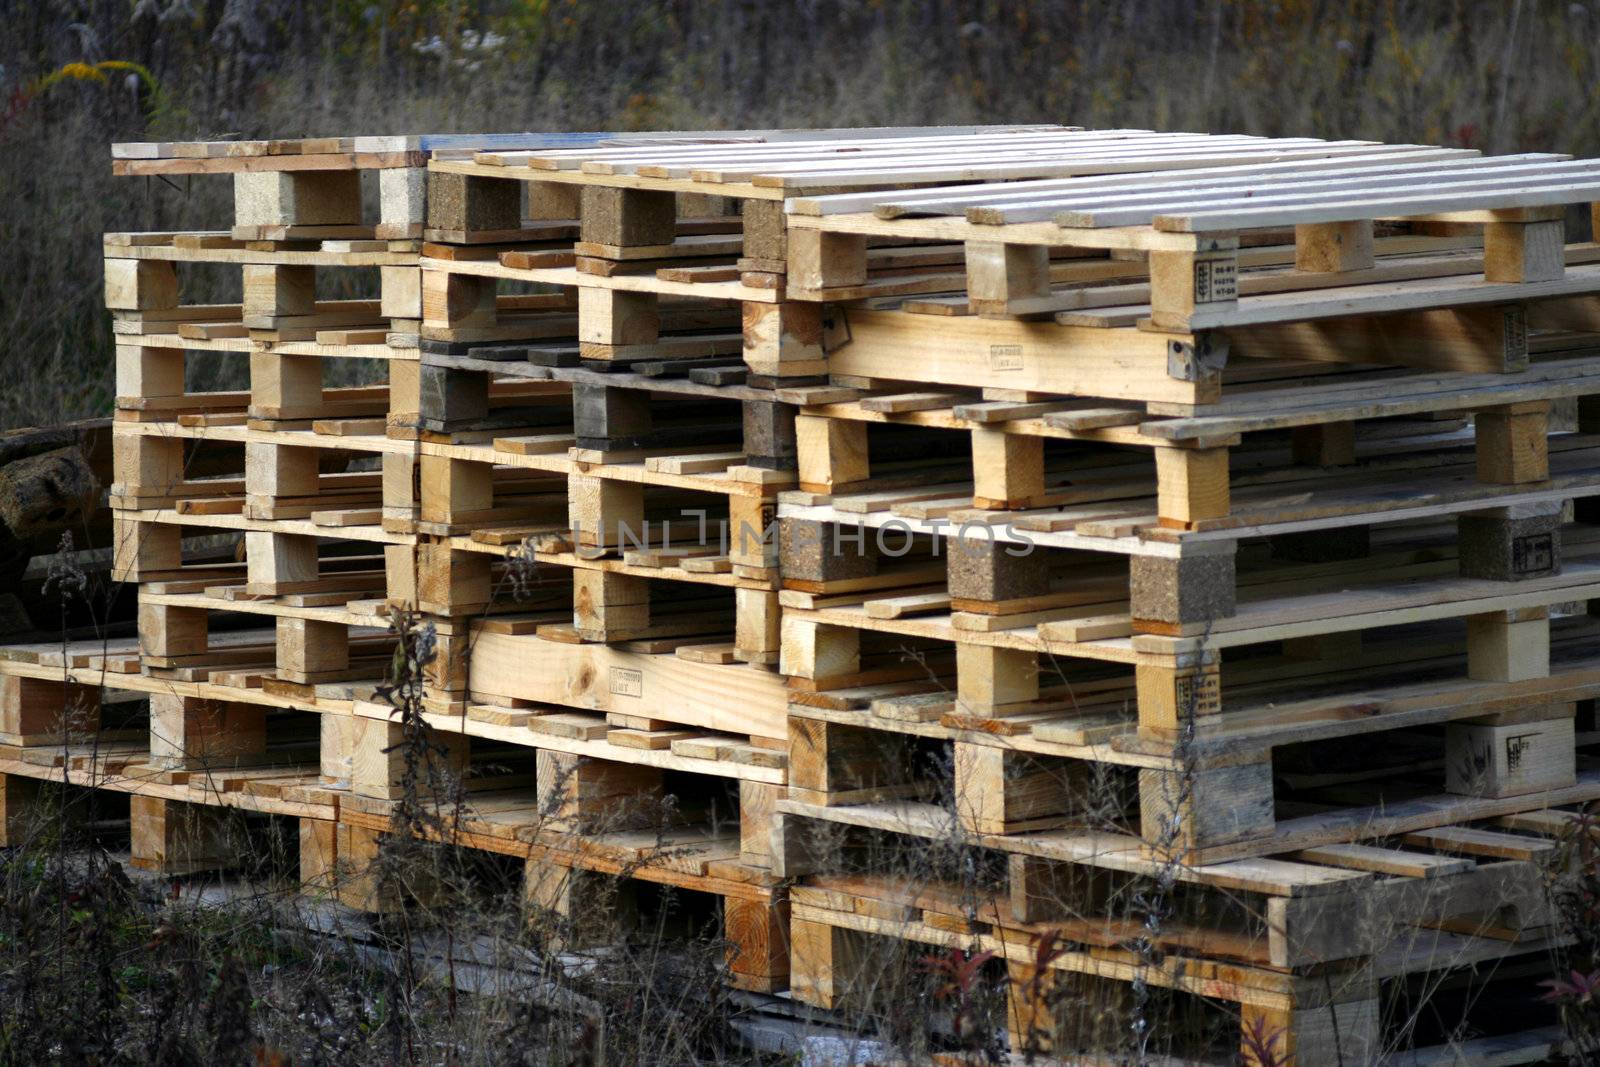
(1172, 526)
(1293, 546)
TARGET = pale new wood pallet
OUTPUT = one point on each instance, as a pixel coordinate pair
(852, 934)
(304, 165)
(965, 664)
(306, 190)
(597, 772)
(667, 480)
(1291, 455)
(636, 260)
(921, 550)
(687, 590)
(459, 143)
(243, 673)
(279, 312)
(1196, 216)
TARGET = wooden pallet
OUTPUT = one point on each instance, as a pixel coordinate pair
(1009, 731)
(279, 282)
(1201, 214)
(218, 711)
(1211, 291)
(649, 267)
(564, 865)
(852, 935)
(652, 246)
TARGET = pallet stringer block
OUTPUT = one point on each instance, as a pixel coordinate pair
(1191, 485)
(199, 733)
(784, 340)
(145, 371)
(752, 532)
(1004, 280)
(452, 490)
(1172, 691)
(628, 218)
(821, 552)
(1183, 812)
(463, 204)
(1341, 1027)
(832, 763)
(1049, 1009)
(819, 260)
(1183, 282)
(1509, 646)
(400, 292)
(310, 651)
(447, 395)
(457, 301)
(1171, 592)
(273, 292)
(757, 932)
(769, 435)
(141, 284)
(823, 961)
(1513, 443)
(1333, 246)
(296, 198)
(39, 711)
(169, 632)
(1521, 750)
(991, 680)
(605, 417)
(818, 652)
(1002, 792)
(607, 606)
(1524, 251)
(757, 813)
(274, 470)
(584, 795)
(173, 837)
(378, 760)
(604, 513)
(279, 563)
(147, 467)
(1007, 469)
(142, 550)
(757, 636)
(572, 908)
(402, 207)
(285, 387)
(21, 809)
(451, 582)
(831, 453)
(614, 318)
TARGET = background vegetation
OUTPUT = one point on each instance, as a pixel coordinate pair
(1502, 75)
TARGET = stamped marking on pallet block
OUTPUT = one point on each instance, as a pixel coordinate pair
(626, 682)
(1005, 357)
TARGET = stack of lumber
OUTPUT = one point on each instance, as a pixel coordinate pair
(1192, 532)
